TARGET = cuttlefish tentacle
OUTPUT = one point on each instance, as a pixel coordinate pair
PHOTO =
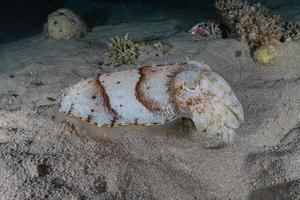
(158, 94)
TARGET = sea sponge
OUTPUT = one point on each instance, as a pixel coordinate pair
(64, 24)
(122, 50)
(265, 55)
(255, 22)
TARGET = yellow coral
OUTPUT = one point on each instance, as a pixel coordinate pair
(265, 55)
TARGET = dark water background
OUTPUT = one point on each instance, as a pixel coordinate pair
(20, 19)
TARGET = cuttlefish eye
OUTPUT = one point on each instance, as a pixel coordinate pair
(190, 86)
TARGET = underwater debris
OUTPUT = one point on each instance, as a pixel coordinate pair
(208, 30)
(122, 50)
(63, 24)
(156, 95)
(265, 55)
(255, 22)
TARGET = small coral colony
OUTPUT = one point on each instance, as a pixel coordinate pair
(158, 94)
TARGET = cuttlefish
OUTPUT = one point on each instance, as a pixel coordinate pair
(156, 95)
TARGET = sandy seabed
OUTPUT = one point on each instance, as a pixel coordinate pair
(43, 159)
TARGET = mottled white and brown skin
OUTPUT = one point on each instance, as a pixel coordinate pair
(156, 95)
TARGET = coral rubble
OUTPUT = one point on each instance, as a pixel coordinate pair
(64, 24)
(255, 23)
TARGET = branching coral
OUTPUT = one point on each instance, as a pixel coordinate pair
(292, 31)
(255, 22)
(122, 50)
